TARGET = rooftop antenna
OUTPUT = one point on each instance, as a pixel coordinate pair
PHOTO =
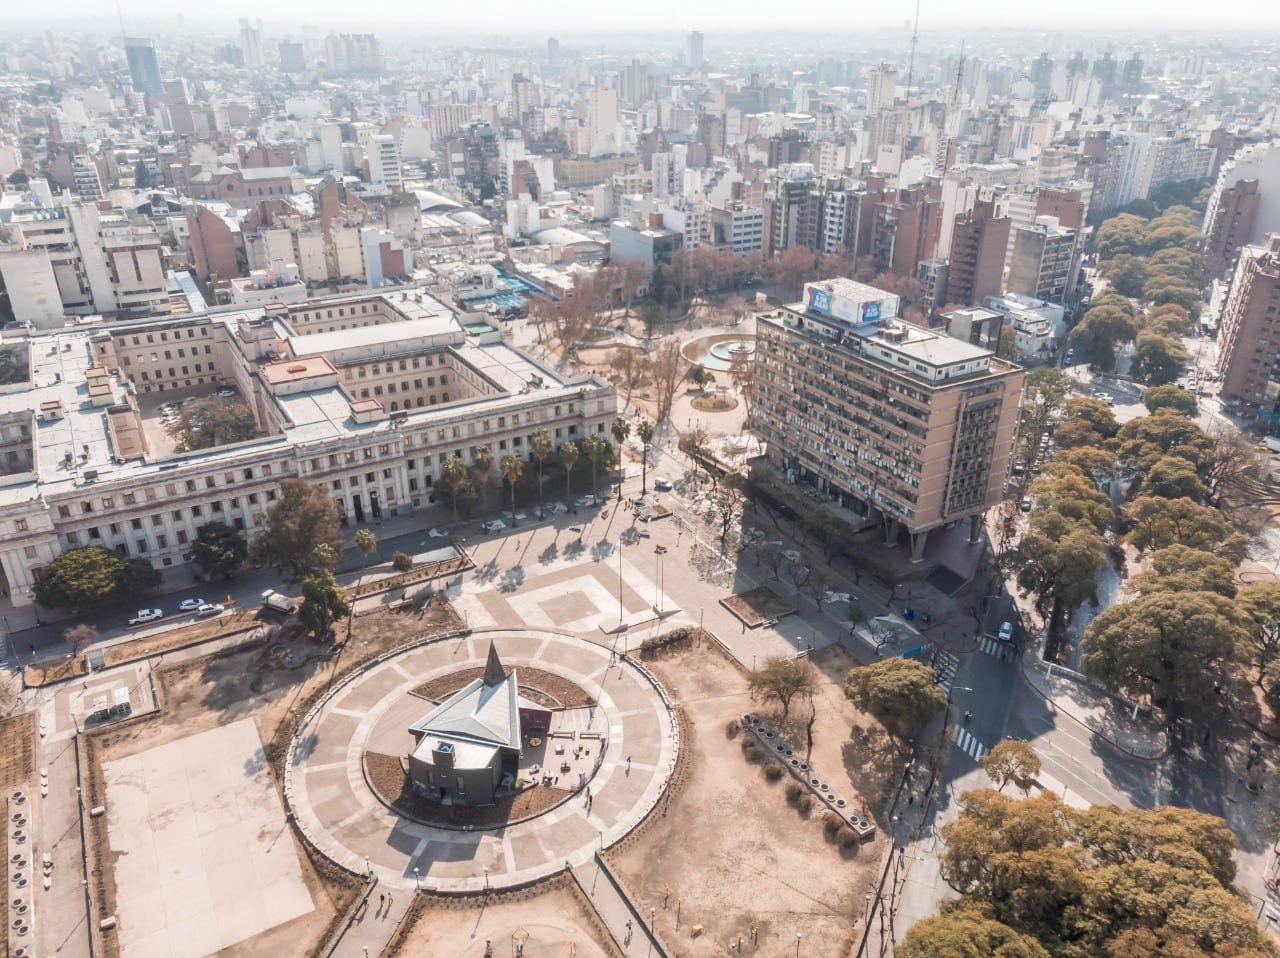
(911, 61)
(120, 13)
(955, 99)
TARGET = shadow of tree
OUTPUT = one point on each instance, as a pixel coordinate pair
(872, 761)
(601, 551)
(255, 763)
(512, 579)
(549, 554)
(574, 549)
(487, 572)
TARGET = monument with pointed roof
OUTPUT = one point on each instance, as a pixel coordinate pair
(467, 749)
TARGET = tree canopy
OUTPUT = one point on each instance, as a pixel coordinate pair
(219, 549)
(1035, 874)
(1181, 401)
(902, 693)
(302, 518)
(324, 602)
(1175, 647)
(89, 578)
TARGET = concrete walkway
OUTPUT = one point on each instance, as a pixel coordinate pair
(373, 921)
(628, 927)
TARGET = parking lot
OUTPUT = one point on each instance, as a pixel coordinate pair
(161, 415)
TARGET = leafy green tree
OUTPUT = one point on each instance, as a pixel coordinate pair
(1259, 605)
(1059, 566)
(701, 376)
(512, 467)
(1180, 401)
(965, 932)
(596, 448)
(1141, 442)
(1125, 273)
(324, 602)
(1120, 234)
(1100, 332)
(215, 421)
(137, 577)
(481, 469)
(644, 432)
(1086, 422)
(1108, 881)
(366, 544)
(1163, 290)
(1168, 319)
(620, 429)
(401, 561)
(1180, 568)
(900, 692)
(1012, 761)
(1157, 360)
(1176, 648)
(80, 580)
(302, 518)
(456, 478)
(13, 367)
(1156, 523)
(569, 456)
(540, 446)
(1172, 477)
(219, 549)
(783, 679)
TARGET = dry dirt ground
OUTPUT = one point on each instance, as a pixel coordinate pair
(204, 693)
(554, 923)
(729, 850)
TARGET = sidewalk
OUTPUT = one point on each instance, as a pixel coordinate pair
(1106, 715)
(371, 924)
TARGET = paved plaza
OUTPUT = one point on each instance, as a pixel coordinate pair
(201, 866)
(342, 816)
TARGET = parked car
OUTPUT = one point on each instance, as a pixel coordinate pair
(210, 608)
(1006, 632)
(226, 391)
(661, 485)
(146, 615)
(1026, 503)
(493, 525)
(190, 605)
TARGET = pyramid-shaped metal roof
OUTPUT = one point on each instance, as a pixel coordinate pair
(485, 711)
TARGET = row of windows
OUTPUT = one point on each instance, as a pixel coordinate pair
(168, 354)
(171, 489)
(177, 335)
(95, 534)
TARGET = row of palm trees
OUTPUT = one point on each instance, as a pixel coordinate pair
(457, 475)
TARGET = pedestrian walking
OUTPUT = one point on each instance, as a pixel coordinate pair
(382, 900)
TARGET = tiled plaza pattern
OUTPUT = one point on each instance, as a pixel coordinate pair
(340, 815)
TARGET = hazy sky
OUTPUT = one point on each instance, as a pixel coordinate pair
(565, 16)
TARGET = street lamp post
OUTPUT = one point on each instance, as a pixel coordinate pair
(653, 913)
(486, 877)
(417, 880)
(621, 614)
(799, 936)
(368, 870)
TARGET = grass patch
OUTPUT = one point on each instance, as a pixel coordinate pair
(757, 606)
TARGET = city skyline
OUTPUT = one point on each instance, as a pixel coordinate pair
(579, 16)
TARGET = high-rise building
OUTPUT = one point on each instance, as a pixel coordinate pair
(1041, 263)
(553, 51)
(251, 44)
(695, 50)
(633, 83)
(1249, 341)
(384, 162)
(882, 86)
(144, 66)
(794, 206)
(352, 53)
(895, 422)
(1233, 216)
(293, 57)
(521, 98)
(979, 240)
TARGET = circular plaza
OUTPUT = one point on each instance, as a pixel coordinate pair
(364, 785)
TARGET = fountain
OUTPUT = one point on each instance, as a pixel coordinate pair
(719, 352)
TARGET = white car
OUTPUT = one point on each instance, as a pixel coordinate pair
(1006, 632)
(146, 615)
(661, 485)
(437, 533)
(493, 525)
(210, 608)
(190, 605)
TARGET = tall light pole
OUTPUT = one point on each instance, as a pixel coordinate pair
(621, 614)
(486, 877)
(653, 913)
(799, 936)
(417, 880)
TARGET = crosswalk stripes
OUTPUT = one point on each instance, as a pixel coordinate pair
(1001, 650)
(970, 745)
(944, 668)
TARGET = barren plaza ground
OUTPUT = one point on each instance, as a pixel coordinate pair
(728, 840)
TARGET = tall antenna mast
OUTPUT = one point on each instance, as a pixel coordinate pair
(955, 94)
(911, 62)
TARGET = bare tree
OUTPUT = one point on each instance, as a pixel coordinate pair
(79, 636)
(668, 371)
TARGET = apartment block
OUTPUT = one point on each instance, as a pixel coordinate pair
(366, 394)
(898, 423)
(1249, 341)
